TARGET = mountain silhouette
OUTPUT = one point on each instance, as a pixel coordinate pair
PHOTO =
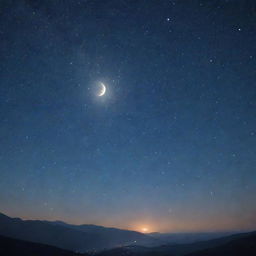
(245, 246)
(70, 237)
(217, 247)
(34, 237)
(15, 247)
(186, 237)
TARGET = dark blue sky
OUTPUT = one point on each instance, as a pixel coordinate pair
(171, 146)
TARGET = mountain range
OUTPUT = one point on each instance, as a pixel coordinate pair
(243, 244)
(80, 238)
(239, 245)
(186, 237)
(15, 247)
(34, 237)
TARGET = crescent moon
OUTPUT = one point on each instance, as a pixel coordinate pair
(102, 90)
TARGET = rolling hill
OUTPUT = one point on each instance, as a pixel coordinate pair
(237, 247)
(70, 237)
(15, 247)
(243, 241)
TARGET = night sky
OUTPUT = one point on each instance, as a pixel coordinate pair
(170, 146)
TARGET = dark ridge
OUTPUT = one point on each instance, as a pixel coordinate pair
(15, 247)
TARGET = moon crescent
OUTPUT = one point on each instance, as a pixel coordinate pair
(102, 90)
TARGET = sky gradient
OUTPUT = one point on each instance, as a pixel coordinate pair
(171, 146)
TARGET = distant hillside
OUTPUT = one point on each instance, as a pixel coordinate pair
(185, 238)
(14, 247)
(82, 238)
(76, 238)
(115, 235)
(245, 246)
(179, 249)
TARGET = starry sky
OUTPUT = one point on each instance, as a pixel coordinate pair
(171, 146)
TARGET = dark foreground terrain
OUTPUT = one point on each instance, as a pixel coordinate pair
(244, 246)
(15, 247)
(235, 245)
(240, 245)
(80, 238)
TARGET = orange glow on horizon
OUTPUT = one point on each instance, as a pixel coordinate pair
(149, 225)
(144, 230)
